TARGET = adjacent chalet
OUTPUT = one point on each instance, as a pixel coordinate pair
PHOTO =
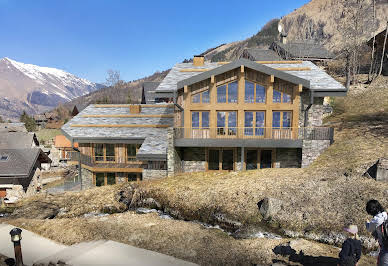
(64, 147)
(224, 116)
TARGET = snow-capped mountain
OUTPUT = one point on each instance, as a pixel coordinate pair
(36, 89)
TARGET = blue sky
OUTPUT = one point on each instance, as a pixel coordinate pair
(88, 37)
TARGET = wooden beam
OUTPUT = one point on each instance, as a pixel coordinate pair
(128, 105)
(115, 170)
(242, 68)
(300, 87)
(212, 79)
(185, 89)
(194, 70)
(125, 116)
(272, 79)
(120, 125)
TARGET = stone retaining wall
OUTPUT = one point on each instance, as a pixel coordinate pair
(312, 149)
(149, 174)
(288, 158)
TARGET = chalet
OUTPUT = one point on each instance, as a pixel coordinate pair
(64, 147)
(12, 127)
(302, 50)
(40, 120)
(148, 92)
(18, 140)
(380, 40)
(225, 116)
(256, 54)
(20, 172)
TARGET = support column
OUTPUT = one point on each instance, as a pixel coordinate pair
(242, 158)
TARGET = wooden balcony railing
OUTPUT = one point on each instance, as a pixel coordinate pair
(311, 133)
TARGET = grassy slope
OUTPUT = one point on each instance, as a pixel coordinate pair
(46, 134)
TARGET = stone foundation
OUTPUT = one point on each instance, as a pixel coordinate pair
(315, 113)
(288, 158)
(149, 174)
(87, 178)
(312, 149)
(194, 160)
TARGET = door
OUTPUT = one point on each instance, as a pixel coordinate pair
(251, 163)
(228, 160)
(3, 192)
(266, 159)
(214, 159)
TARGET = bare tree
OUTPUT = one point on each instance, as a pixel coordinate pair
(373, 43)
(383, 53)
(356, 19)
(113, 78)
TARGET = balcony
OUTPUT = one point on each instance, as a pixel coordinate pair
(249, 136)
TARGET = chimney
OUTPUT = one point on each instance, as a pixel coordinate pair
(135, 109)
(198, 60)
(283, 38)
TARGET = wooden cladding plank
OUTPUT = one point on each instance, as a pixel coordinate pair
(120, 125)
(127, 116)
(272, 79)
(268, 62)
(117, 170)
(242, 68)
(128, 105)
(300, 87)
(277, 68)
(212, 79)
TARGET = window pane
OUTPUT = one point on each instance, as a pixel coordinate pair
(260, 94)
(286, 119)
(286, 98)
(132, 177)
(214, 160)
(221, 94)
(110, 178)
(248, 123)
(232, 92)
(100, 179)
(195, 119)
(99, 152)
(221, 119)
(196, 98)
(205, 97)
(110, 152)
(276, 119)
(249, 92)
(221, 123)
(259, 131)
(131, 151)
(232, 123)
(205, 119)
(277, 95)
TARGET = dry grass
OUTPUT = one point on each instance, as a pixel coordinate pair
(46, 134)
(180, 239)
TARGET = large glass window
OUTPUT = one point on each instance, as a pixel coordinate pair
(99, 152)
(282, 93)
(201, 97)
(254, 93)
(214, 160)
(200, 119)
(110, 178)
(254, 122)
(277, 96)
(103, 179)
(227, 123)
(110, 152)
(228, 93)
(100, 179)
(260, 94)
(132, 151)
(281, 119)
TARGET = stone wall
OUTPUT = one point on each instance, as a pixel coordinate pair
(87, 178)
(312, 149)
(288, 158)
(121, 178)
(194, 160)
(149, 174)
(174, 164)
(315, 113)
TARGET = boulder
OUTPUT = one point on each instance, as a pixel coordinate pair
(269, 207)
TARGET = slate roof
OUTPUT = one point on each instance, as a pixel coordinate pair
(20, 162)
(301, 50)
(154, 140)
(315, 79)
(12, 127)
(148, 96)
(256, 54)
(18, 140)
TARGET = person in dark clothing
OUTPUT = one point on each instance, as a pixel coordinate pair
(351, 249)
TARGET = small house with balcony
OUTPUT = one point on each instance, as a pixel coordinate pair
(225, 116)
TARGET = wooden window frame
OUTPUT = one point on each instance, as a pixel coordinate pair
(273, 157)
(105, 178)
(200, 93)
(226, 84)
(283, 90)
(254, 122)
(138, 177)
(200, 119)
(104, 152)
(226, 127)
(220, 150)
(126, 152)
(255, 83)
(281, 118)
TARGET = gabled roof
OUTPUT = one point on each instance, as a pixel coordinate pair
(247, 63)
(12, 127)
(40, 118)
(62, 142)
(18, 140)
(256, 54)
(301, 50)
(115, 124)
(20, 162)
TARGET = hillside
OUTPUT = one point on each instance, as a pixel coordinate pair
(35, 89)
(321, 20)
